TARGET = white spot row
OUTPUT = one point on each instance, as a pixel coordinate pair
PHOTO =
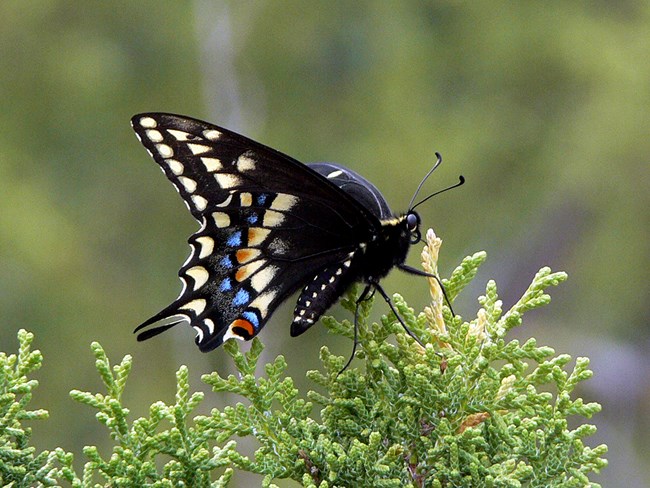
(212, 134)
(164, 150)
(226, 202)
(197, 306)
(272, 218)
(198, 149)
(207, 246)
(261, 280)
(263, 301)
(148, 123)
(284, 202)
(245, 163)
(212, 164)
(227, 180)
(180, 135)
(209, 325)
(199, 202)
(200, 276)
(176, 166)
(221, 219)
(188, 183)
(245, 199)
(154, 135)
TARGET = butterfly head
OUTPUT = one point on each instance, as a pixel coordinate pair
(411, 218)
(412, 221)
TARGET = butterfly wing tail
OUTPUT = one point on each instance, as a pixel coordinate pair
(166, 319)
(208, 337)
(154, 331)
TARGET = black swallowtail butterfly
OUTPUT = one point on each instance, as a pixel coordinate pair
(270, 226)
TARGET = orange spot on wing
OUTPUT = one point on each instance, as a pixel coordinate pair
(242, 328)
(240, 275)
(243, 255)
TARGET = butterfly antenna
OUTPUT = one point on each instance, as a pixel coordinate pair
(438, 162)
(461, 181)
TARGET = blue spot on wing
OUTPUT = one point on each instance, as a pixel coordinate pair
(235, 239)
(252, 318)
(226, 285)
(241, 298)
(261, 198)
(252, 219)
(226, 262)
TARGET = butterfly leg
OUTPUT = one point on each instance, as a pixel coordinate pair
(381, 291)
(408, 269)
(366, 294)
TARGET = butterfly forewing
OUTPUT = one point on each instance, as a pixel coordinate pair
(269, 226)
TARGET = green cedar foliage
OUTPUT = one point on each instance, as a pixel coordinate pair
(20, 465)
(470, 409)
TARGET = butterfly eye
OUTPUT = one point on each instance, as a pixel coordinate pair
(412, 221)
(413, 225)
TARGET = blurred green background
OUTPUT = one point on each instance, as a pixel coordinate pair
(543, 106)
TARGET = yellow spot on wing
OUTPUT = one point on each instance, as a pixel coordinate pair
(221, 219)
(210, 325)
(245, 271)
(245, 199)
(227, 180)
(197, 306)
(148, 122)
(245, 255)
(256, 235)
(263, 301)
(188, 183)
(272, 218)
(180, 135)
(284, 202)
(198, 148)
(212, 164)
(199, 202)
(176, 166)
(261, 280)
(213, 135)
(245, 163)
(164, 150)
(200, 276)
(207, 246)
(154, 135)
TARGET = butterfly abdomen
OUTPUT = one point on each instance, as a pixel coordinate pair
(324, 289)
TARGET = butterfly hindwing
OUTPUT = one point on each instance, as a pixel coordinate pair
(269, 226)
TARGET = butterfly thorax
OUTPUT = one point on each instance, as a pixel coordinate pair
(388, 249)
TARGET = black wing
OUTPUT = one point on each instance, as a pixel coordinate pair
(356, 186)
(268, 225)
